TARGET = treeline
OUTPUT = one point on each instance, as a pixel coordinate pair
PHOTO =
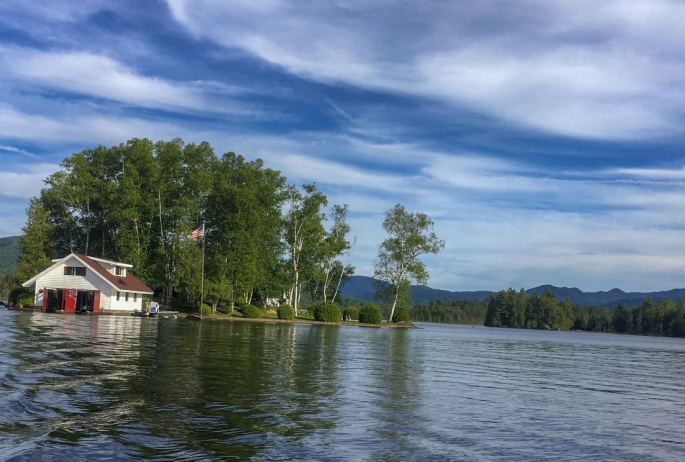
(450, 312)
(509, 308)
(138, 202)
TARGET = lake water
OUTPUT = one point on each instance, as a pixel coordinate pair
(103, 388)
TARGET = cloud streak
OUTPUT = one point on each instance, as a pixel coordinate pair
(618, 76)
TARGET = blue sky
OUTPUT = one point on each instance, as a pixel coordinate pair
(544, 138)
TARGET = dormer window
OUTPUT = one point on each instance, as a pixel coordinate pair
(120, 271)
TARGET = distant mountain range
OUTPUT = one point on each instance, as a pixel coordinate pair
(361, 287)
(9, 254)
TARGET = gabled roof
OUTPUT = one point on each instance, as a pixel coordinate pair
(128, 283)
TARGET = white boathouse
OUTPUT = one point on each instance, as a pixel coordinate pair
(78, 282)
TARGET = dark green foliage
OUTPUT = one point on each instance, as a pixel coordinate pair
(451, 312)
(401, 315)
(509, 308)
(327, 312)
(7, 284)
(26, 299)
(517, 309)
(370, 314)
(621, 318)
(351, 314)
(285, 311)
(206, 310)
(16, 293)
(9, 254)
(250, 311)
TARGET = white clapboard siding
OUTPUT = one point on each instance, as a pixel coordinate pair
(56, 279)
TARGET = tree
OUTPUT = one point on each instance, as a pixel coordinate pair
(304, 234)
(36, 251)
(410, 236)
(335, 244)
(621, 318)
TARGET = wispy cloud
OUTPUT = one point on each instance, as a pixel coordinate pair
(536, 64)
(15, 150)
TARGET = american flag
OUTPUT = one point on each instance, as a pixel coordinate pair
(199, 232)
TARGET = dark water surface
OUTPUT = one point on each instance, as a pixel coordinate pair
(102, 388)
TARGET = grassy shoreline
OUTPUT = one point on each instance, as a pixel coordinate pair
(229, 318)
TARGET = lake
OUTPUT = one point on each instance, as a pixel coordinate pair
(104, 387)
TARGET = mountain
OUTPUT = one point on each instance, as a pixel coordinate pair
(9, 254)
(610, 299)
(361, 287)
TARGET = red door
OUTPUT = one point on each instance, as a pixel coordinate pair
(69, 300)
(96, 301)
(46, 294)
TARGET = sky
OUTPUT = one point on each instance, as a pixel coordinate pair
(545, 139)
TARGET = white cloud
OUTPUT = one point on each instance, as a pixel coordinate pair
(82, 127)
(101, 76)
(27, 181)
(16, 150)
(599, 71)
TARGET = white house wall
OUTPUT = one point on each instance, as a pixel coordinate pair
(122, 304)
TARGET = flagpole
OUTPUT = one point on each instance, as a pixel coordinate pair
(202, 283)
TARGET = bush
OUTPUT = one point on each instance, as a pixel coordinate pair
(26, 300)
(370, 314)
(401, 315)
(250, 311)
(239, 304)
(285, 311)
(351, 314)
(206, 310)
(327, 312)
(15, 293)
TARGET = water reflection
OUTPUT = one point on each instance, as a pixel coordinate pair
(89, 388)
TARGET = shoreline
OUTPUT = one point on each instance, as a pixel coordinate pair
(194, 317)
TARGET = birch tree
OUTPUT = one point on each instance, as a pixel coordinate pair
(335, 245)
(410, 235)
(304, 234)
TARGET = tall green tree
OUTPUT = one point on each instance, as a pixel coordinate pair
(304, 235)
(621, 319)
(332, 270)
(35, 242)
(410, 235)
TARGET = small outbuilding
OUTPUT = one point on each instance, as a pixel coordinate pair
(78, 282)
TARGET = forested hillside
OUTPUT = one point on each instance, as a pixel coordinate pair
(9, 254)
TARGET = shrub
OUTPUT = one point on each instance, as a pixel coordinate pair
(15, 293)
(351, 314)
(401, 315)
(285, 311)
(250, 311)
(26, 300)
(206, 310)
(327, 312)
(370, 314)
(239, 304)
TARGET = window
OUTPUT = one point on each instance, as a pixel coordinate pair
(119, 271)
(74, 271)
(126, 296)
(118, 295)
(135, 297)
